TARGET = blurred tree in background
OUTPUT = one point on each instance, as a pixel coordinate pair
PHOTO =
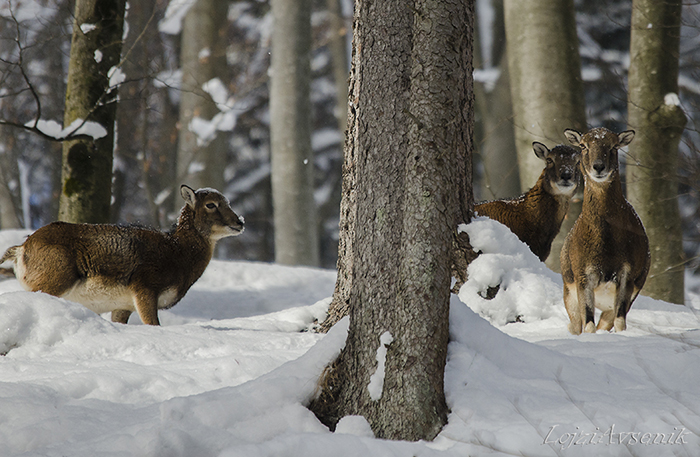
(296, 226)
(654, 112)
(202, 145)
(544, 68)
(91, 99)
(500, 176)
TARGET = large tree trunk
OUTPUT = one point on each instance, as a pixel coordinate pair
(296, 227)
(87, 164)
(407, 185)
(654, 113)
(546, 85)
(201, 160)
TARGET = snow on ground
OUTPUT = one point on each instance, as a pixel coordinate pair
(229, 371)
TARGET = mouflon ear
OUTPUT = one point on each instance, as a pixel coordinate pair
(188, 195)
(541, 151)
(573, 136)
(625, 137)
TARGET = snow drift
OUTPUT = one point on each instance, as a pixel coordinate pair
(230, 370)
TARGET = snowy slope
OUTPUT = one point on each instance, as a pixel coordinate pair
(230, 369)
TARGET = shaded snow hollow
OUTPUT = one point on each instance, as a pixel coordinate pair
(230, 370)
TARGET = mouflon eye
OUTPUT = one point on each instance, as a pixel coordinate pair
(211, 205)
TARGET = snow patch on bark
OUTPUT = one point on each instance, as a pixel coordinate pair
(87, 28)
(77, 127)
(671, 99)
(354, 425)
(116, 77)
(376, 381)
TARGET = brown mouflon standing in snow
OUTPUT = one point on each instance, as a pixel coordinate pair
(605, 258)
(536, 216)
(126, 269)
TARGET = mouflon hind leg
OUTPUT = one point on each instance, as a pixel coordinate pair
(146, 303)
(121, 316)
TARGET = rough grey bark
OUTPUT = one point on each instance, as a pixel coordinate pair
(652, 182)
(546, 86)
(87, 164)
(346, 199)
(296, 225)
(407, 184)
(340, 304)
(201, 162)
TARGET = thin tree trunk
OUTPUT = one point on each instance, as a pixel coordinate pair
(501, 173)
(338, 48)
(8, 214)
(546, 85)
(407, 184)
(501, 177)
(296, 225)
(132, 117)
(201, 160)
(87, 164)
(657, 118)
(9, 217)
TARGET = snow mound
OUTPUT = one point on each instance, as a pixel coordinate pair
(602, 394)
(32, 321)
(528, 291)
(231, 370)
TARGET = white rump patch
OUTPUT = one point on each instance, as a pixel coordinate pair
(167, 297)
(605, 296)
(20, 268)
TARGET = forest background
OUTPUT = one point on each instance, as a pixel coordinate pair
(230, 110)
